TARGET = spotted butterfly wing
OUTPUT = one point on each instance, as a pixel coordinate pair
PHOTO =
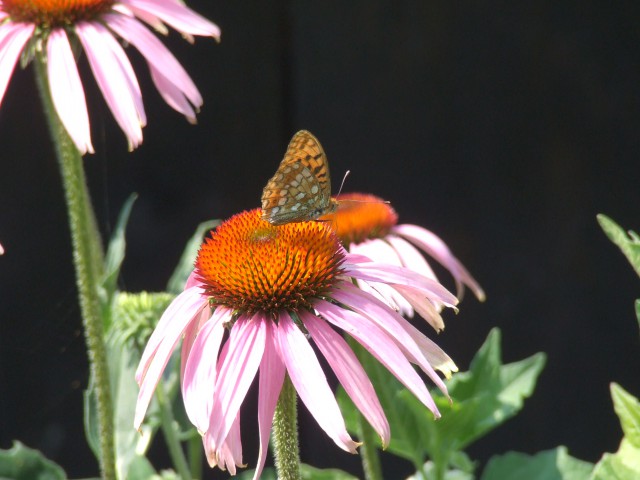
(300, 190)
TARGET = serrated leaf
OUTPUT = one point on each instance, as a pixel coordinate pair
(185, 264)
(627, 408)
(554, 464)
(629, 243)
(483, 398)
(23, 463)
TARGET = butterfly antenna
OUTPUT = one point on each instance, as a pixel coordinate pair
(346, 174)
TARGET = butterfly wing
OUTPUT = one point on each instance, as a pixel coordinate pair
(300, 190)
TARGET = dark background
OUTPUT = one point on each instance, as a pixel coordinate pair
(504, 127)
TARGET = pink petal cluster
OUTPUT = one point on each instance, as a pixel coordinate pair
(398, 248)
(217, 370)
(110, 66)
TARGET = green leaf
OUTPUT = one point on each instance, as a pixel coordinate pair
(627, 408)
(625, 463)
(23, 463)
(638, 311)
(554, 464)
(267, 474)
(311, 473)
(185, 264)
(113, 260)
(429, 472)
(628, 243)
(483, 398)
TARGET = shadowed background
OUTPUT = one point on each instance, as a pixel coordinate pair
(502, 127)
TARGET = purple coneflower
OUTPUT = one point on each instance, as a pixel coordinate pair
(368, 226)
(53, 26)
(259, 297)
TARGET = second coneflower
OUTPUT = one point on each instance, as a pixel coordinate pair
(259, 297)
(53, 28)
(367, 225)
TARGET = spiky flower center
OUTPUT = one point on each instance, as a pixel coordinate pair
(361, 216)
(250, 265)
(55, 13)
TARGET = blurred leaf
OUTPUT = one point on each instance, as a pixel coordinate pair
(311, 473)
(483, 398)
(627, 408)
(628, 243)
(185, 264)
(113, 260)
(23, 463)
(307, 472)
(625, 463)
(638, 311)
(139, 468)
(554, 464)
(429, 472)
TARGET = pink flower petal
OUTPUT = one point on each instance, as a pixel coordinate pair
(246, 345)
(411, 257)
(158, 349)
(177, 15)
(272, 372)
(310, 382)
(115, 77)
(200, 371)
(378, 249)
(389, 321)
(66, 90)
(13, 37)
(381, 346)
(425, 308)
(434, 246)
(229, 454)
(379, 272)
(175, 88)
(349, 372)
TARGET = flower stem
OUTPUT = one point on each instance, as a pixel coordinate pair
(368, 451)
(285, 434)
(88, 261)
(169, 429)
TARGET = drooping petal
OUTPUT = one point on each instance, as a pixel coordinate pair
(115, 77)
(434, 246)
(177, 15)
(175, 85)
(157, 352)
(187, 305)
(378, 249)
(200, 371)
(310, 382)
(229, 454)
(406, 337)
(272, 372)
(246, 345)
(66, 90)
(392, 323)
(13, 37)
(381, 346)
(411, 257)
(189, 336)
(425, 308)
(349, 372)
(379, 272)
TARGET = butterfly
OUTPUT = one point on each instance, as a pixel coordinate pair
(300, 190)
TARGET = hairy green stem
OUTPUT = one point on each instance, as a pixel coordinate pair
(368, 451)
(285, 434)
(88, 260)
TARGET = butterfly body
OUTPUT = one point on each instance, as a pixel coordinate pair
(300, 190)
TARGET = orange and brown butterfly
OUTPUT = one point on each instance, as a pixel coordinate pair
(300, 190)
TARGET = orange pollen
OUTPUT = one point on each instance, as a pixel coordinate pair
(55, 13)
(250, 265)
(361, 216)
